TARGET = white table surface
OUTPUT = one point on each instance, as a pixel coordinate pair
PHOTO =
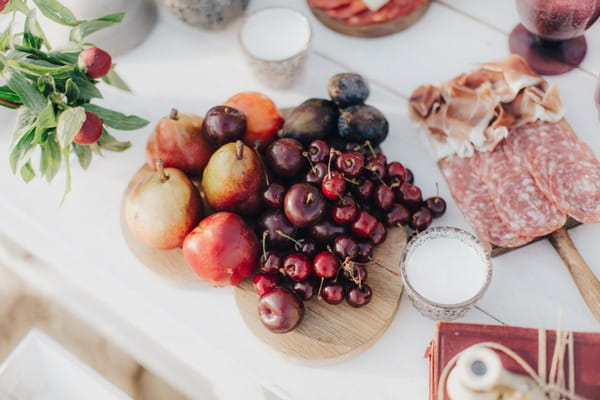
(196, 338)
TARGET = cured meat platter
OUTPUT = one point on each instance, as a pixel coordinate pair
(355, 18)
(525, 176)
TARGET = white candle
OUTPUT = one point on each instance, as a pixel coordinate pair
(446, 270)
(275, 34)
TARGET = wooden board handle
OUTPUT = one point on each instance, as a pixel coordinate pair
(584, 278)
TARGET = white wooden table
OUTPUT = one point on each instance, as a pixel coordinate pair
(196, 339)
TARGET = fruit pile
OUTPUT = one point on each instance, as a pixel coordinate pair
(306, 209)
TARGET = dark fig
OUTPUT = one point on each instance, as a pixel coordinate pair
(311, 120)
(363, 122)
(348, 89)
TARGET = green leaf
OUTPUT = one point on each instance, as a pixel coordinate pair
(27, 172)
(46, 84)
(69, 123)
(31, 36)
(28, 93)
(65, 57)
(21, 150)
(113, 79)
(66, 154)
(87, 90)
(55, 11)
(25, 122)
(18, 5)
(46, 119)
(117, 120)
(50, 159)
(84, 155)
(108, 142)
(5, 37)
(8, 98)
(85, 29)
(38, 54)
(71, 90)
(59, 72)
(96, 149)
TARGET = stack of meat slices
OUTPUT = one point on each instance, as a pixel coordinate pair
(528, 185)
(356, 12)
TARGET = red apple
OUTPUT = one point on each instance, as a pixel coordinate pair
(222, 249)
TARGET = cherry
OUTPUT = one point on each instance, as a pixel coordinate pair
(377, 169)
(270, 263)
(383, 198)
(316, 174)
(379, 234)
(326, 231)
(284, 157)
(364, 190)
(325, 265)
(333, 293)
(95, 62)
(297, 267)
(345, 247)
(333, 186)
(355, 273)
(396, 171)
(223, 124)
(397, 215)
(436, 205)
(304, 204)
(344, 211)
(273, 195)
(280, 310)
(364, 224)
(273, 222)
(264, 282)
(421, 219)
(305, 289)
(379, 157)
(90, 131)
(359, 296)
(318, 151)
(365, 251)
(410, 178)
(409, 195)
(308, 247)
(350, 164)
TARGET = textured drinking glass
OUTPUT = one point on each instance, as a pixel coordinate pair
(276, 42)
(428, 307)
(550, 36)
(207, 14)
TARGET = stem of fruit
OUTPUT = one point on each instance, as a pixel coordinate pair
(264, 244)
(305, 154)
(288, 237)
(374, 170)
(161, 171)
(352, 181)
(371, 149)
(331, 153)
(309, 198)
(239, 149)
(174, 115)
(321, 288)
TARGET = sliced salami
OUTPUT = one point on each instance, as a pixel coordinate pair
(532, 135)
(389, 12)
(347, 11)
(576, 189)
(329, 4)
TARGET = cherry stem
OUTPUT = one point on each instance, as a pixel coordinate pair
(395, 184)
(305, 154)
(352, 181)
(239, 149)
(174, 114)
(437, 190)
(160, 167)
(264, 244)
(288, 237)
(309, 198)
(331, 153)
(373, 170)
(371, 149)
(320, 288)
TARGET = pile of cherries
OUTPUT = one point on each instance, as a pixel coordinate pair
(327, 209)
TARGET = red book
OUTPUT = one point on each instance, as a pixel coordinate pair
(452, 338)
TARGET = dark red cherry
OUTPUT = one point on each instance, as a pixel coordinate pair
(270, 263)
(284, 158)
(364, 224)
(297, 267)
(345, 247)
(396, 171)
(303, 205)
(280, 310)
(344, 211)
(325, 231)
(333, 293)
(355, 273)
(274, 221)
(379, 234)
(383, 198)
(409, 195)
(410, 178)
(325, 265)
(359, 296)
(397, 215)
(316, 174)
(377, 169)
(333, 186)
(436, 205)
(364, 190)
(349, 164)
(265, 282)
(378, 156)
(273, 195)
(365, 251)
(308, 247)
(318, 151)
(306, 289)
(421, 219)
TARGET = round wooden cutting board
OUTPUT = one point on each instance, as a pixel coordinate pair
(331, 333)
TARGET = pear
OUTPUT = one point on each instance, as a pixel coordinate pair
(163, 208)
(234, 179)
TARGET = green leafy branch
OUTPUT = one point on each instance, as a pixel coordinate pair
(52, 92)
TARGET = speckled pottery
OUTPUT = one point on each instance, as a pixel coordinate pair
(207, 14)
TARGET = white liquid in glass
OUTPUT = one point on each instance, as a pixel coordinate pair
(275, 34)
(446, 270)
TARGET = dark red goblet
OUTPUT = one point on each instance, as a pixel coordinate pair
(550, 36)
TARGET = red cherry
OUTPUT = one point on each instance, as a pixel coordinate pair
(325, 265)
(409, 195)
(333, 293)
(421, 219)
(95, 62)
(280, 310)
(396, 170)
(297, 267)
(359, 296)
(305, 289)
(377, 169)
(345, 247)
(364, 224)
(318, 151)
(270, 263)
(397, 215)
(344, 211)
(90, 131)
(365, 251)
(264, 282)
(356, 273)
(316, 174)
(383, 198)
(379, 234)
(333, 186)
(350, 164)
(379, 157)
(436, 205)
(410, 178)
(273, 195)
(364, 190)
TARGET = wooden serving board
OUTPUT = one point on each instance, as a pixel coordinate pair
(372, 30)
(585, 280)
(330, 333)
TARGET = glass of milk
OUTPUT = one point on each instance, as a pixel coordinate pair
(445, 271)
(276, 41)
